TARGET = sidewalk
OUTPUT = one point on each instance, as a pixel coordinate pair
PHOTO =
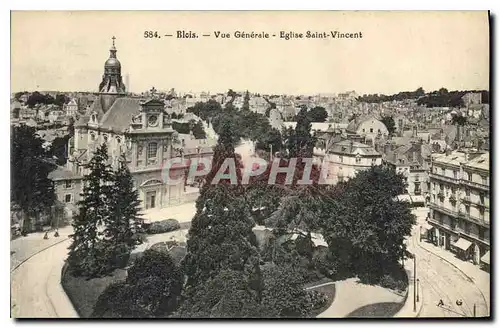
(182, 213)
(23, 247)
(407, 310)
(479, 277)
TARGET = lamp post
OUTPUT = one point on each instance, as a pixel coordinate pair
(418, 281)
(414, 283)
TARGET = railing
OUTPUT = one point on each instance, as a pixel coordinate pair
(475, 185)
(444, 178)
(475, 219)
(448, 211)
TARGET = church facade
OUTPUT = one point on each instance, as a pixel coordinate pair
(138, 128)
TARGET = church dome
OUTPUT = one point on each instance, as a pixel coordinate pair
(112, 62)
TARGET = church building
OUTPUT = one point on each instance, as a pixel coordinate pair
(139, 128)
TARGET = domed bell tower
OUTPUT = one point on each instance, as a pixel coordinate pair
(111, 85)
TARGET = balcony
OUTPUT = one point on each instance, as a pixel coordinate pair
(481, 221)
(475, 185)
(448, 211)
(444, 178)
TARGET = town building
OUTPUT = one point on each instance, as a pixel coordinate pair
(71, 108)
(368, 127)
(460, 204)
(346, 158)
(140, 130)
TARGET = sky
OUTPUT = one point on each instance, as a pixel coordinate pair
(399, 51)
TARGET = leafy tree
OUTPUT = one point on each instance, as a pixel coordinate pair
(61, 99)
(318, 114)
(87, 255)
(31, 189)
(124, 224)
(389, 124)
(226, 295)
(420, 92)
(299, 142)
(284, 295)
(152, 289)
(221, 233)
(366, 226)
(246, 101)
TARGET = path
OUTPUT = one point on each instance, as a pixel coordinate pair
(351, 295)
(36, 291)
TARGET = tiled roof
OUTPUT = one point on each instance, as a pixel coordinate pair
(62, 173)
(119, 115)
(480, 162)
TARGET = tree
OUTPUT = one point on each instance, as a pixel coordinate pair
(299, 142)
(221, 233)
(366, 226)
(60, 100)
(318, 114)
(152, 289)
(420, 92)
(124, 224)
(246, 101)
(389, 124)
(31, 189)
(87, 255)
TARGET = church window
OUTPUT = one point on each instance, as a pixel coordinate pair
(92, 136)
(67, 184)
(67, 198)
(118, 140)
(371, 130)
(152, 149)
(105, 137)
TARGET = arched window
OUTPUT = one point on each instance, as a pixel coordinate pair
(105, 137)
(152, 149)
(92, 136)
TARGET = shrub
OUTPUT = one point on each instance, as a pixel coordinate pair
(317, 299)
(388, 281)
(152, 289)
(163, 226)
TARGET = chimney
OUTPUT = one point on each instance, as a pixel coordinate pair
(414, 131)
(351, 146)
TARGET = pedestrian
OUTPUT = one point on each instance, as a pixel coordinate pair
(441, 303)
(46, 235)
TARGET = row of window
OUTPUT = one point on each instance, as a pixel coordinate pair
(358, 160)
(467, 175)
(105, 138)
(453, 191)
(463, 225)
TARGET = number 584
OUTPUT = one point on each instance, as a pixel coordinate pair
(151, 34)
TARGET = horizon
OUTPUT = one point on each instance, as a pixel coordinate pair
(433, 50)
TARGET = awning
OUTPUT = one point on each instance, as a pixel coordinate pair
(463, 244)
(418, 199)
(486, 258)
(426, 226)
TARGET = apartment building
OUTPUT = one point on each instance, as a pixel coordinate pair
(460, 204)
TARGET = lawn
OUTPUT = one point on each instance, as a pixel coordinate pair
(84, 293)
(377, 310)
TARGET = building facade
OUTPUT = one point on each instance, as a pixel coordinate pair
(346, 158)
(138, 129)
(460, 204)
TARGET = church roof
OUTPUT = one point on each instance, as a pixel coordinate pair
(120, 114)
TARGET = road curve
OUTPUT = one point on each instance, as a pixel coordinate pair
(36, 291)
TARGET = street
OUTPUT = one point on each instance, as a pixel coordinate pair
(442, 281)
